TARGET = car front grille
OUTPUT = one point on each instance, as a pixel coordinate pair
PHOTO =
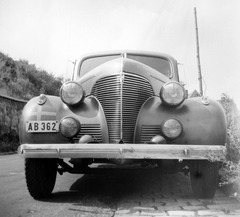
(148, 132)
(90, 129)
(121, 97)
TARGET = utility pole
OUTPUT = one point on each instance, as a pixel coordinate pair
(198, 55)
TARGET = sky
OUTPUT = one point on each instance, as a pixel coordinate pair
(53, 33)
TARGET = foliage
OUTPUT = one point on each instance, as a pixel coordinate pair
(9, 142)
(230, 172)
(233, 128)
(231, 164)
(22, 80)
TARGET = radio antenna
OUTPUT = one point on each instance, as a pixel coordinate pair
(198, 55)
(74, 64)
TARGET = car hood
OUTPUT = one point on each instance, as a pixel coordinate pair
(121, 66)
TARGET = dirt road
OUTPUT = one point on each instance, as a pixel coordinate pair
(125, 194)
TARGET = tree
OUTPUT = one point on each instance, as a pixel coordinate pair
(233, 126)
(231, 164)
(22, 80)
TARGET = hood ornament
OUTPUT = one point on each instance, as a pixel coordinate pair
(205, 100)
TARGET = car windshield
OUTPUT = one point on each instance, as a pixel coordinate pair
(93, 62)
(157, 63)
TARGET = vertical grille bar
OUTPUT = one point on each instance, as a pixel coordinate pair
(121, 97)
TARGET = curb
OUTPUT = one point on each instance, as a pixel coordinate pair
(8, 153)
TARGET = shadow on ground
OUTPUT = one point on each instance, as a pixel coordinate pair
(104, 190)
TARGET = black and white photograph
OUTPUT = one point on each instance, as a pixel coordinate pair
(119, 108)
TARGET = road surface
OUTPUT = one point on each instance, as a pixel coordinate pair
(115, 195)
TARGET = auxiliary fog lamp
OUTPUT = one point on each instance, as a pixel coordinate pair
(171, 128)
(69, 127)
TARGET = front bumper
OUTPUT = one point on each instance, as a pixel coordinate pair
(121, 151)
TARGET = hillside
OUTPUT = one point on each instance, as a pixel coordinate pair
(22, 80)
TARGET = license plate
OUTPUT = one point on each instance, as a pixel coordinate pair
(42, 126)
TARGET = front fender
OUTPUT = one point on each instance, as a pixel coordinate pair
(202, 124)
(88, 113)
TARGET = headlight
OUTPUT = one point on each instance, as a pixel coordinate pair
(69, 127)
(172, 93)
(71, 93)
(171, 128)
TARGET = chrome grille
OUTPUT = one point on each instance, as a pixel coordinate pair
(90, 129)
(121, 97)
(148, 132)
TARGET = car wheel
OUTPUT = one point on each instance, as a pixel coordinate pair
(204, 178)
(40, 176)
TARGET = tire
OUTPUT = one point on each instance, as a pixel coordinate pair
(204, 178)
(40, 176)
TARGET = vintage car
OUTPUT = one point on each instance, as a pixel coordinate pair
(122, 108)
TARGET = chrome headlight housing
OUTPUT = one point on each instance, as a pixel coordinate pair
(172, 93)
(72, 93)
(171, 128)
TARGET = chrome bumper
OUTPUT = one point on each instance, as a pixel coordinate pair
(120, 151)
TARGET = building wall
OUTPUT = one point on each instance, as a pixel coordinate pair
(10, 112)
